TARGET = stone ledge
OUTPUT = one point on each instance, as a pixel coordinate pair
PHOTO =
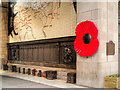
(55, 83)
(61, 72)
(42, 67)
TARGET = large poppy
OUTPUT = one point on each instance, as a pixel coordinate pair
(86, 43)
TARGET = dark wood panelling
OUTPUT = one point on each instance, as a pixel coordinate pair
(40, 53)
(50, 52)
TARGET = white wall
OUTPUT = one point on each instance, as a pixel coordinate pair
(91, 70)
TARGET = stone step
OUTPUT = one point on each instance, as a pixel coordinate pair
(61, 72)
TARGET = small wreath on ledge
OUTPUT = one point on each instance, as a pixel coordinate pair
(39, 74)
(34, 71)
(44, 74)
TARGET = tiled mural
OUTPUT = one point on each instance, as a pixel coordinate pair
(41, 20)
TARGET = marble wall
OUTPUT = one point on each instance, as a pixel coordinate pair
(0, 39)
(91, 70)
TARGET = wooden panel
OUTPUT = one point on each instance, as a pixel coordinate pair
(47, 55)
(20, 51)
(40, 54)
(48, 52)
(30, 53)
(35, 54)
(54, 55)
(51, 53)
(25, 53)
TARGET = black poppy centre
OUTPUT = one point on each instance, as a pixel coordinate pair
(87, 38)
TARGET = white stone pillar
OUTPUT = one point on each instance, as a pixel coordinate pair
(0, 38)
(91, 70)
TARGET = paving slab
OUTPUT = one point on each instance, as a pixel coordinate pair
(41, 80)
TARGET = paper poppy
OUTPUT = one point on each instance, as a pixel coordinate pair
(43, 74)
(38, 74)
(86, 42)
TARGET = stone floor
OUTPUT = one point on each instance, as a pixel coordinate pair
(40, 81)
(10, 82)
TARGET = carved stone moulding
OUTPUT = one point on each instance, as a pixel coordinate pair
(14, 68)
(5, 67)
(51, 75)
(71, 78)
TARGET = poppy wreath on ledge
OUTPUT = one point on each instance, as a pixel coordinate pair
(34, 71)
(86, 42)
(44, 74)
(39, 74)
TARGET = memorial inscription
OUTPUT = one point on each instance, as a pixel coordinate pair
(110, 48)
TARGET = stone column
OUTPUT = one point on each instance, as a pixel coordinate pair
(0, 38)
(91, 70)
(3, 34)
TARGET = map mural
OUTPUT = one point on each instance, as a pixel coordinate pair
(24, 14)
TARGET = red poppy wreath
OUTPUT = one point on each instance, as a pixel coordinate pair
(86, 43)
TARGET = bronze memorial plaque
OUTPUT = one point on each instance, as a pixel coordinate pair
(110, 49)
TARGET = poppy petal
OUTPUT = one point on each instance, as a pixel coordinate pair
(82, 48)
